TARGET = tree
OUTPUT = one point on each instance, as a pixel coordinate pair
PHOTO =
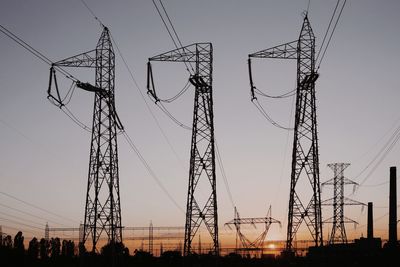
(55, 245)
(68, 248)
(33, 249)
(7, 242)
(44, 248)
(19, 242)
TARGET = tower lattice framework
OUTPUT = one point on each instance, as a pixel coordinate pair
(102, 209)
(305, 163)
(202, 152)
(338, 220)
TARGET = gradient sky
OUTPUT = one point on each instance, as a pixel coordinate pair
(44, 156)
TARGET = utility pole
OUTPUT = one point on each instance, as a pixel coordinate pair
(202, 152)
(102, 209)
(303, 207)
(338, 233)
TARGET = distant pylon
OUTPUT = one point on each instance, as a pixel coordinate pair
(46, 232)
(338, 233)
(257, 245)
(151, 238)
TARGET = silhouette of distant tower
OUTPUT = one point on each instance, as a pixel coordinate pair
(202, 152)
(338, 234)
(303, 207)
(151, 238)
(102, 209)
(47, 232)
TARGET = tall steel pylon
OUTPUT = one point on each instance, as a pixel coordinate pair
(102, 209)
(305, 163)
(202, 152)
(338, 234)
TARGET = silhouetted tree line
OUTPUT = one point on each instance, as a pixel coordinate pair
(39, 252)
(54, 252)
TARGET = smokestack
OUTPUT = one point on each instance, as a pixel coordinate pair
(370, 225)
(393, 208)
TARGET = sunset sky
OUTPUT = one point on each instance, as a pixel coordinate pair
(44, 155)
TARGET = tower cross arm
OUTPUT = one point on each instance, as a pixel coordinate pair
(267, 220)
(348, 201)
(283, 51)
(189, 53)
(86, 60)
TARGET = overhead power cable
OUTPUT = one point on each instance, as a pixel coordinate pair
(18, 229)
(265, 114)
(150, 170)
(32, 215)
(34, 51)
(379, 157)
(178, 40)
(23, 224)
(285, 95)
(36, 207)
(20, 218)
(330, 37)
(327, 30)
(223, 173)
(93, 14)
(47, 61)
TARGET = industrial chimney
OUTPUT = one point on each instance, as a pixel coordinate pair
(370, 224)
(392, 209)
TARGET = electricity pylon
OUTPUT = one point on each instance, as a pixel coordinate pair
(202, 152)
(246, 244)
(338, 234)
(305, 163)
(102, 209)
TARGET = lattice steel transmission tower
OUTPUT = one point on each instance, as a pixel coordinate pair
(338, 234)
(202, 152)
(102, 209)
(305, 164)
(246, 245)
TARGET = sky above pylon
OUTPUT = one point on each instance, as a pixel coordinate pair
(44, 156)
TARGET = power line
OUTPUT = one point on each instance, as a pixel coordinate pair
(19, 218)
(17, 229)
(329, 40)
(33, 51)
(169, 32)
(30, 214)
(150, 170)
(147, 105)
(327, 30)
(175, 120)
(36, 207)
(20, 223)
(222, 170)
(47, 61)
(93, 14)
(265, 115)
(380, 156)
